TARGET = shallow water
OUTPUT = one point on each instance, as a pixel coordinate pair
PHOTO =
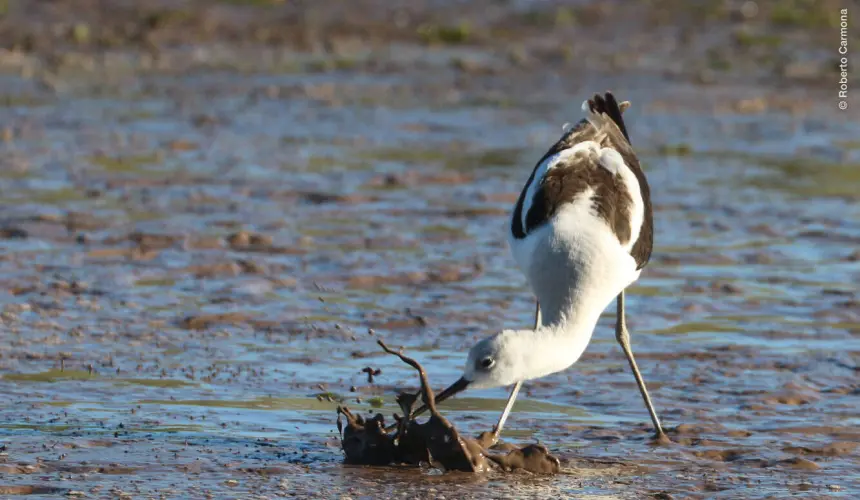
(143, 352)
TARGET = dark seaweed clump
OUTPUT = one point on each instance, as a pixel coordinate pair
(437, 441)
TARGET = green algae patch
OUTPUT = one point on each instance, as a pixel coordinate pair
(305, 404)
(50, 376)
(155, 382)
(129, 163)
(376, 401)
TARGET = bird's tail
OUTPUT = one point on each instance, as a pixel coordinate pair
(606, 106)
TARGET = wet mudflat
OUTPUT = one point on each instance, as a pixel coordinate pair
(205, 230)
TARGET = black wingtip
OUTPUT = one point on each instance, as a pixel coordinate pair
(608, 105)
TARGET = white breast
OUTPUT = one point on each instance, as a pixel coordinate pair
(576, 251)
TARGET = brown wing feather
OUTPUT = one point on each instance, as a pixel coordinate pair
(568, 179)
(612, 201)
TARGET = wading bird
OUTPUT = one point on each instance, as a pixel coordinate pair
(581, 231)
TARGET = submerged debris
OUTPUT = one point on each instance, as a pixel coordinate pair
(437, 441)
(441, 439)
(365, 441)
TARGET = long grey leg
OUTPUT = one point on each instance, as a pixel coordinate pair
(513, 397)
(510, 404)
(623, 337)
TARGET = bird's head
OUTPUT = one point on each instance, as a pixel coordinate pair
(495, 361)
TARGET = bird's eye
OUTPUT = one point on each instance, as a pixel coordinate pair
(487, 362)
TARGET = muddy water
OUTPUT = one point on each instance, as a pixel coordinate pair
(196, 265)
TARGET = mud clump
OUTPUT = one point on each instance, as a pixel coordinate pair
(244, 240)
(204, 321)
(365, 441)
(437, 441)
(660, 439)
(532, 457)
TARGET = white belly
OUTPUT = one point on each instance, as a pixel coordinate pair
(574, 257)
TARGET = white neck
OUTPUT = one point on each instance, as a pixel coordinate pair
(567, 324)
